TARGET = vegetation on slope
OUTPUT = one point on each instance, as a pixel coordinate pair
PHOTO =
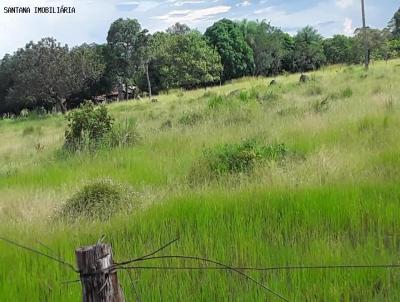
(335, 201)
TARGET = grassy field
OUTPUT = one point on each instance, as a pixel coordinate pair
(335, 200)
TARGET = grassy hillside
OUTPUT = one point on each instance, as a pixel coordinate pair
(333, 199)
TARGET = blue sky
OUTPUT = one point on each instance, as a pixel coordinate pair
(93, 17)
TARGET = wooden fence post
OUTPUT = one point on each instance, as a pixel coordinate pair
(99, 280)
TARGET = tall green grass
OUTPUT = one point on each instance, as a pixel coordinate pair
(336, 200)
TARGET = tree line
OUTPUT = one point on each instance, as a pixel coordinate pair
(46, 75)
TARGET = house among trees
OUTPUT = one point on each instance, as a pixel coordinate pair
(119, 93)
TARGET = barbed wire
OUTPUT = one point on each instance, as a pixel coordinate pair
(272, 268)
(227, 267)
(32, 250)
(124, 265)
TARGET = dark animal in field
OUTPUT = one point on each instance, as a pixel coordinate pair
(304, 78)
(273, 82)
(154, 100)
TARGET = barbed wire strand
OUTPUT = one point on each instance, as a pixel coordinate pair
(71, 281)
(147, 255)
(39, 253)
(49, 249)
(227, 267)
(272, 268)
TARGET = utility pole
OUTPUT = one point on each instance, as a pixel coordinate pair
(365, 35)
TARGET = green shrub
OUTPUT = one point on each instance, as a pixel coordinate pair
(254, 94)
(216, 101)
(87, 127)
(244, 96)
(190, 118)
(122, 135)
(99, 200)
(346, 93)
(242, 157)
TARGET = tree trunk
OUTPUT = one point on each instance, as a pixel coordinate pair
(61, 102)
(148, 80)
(126, 90)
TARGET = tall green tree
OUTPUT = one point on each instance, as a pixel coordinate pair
(48, 74)
(7, 69)
(179, 29)
(308, 50)
(267, 43)
(339, 49)
(126, 41)
(184, 60)
(376, 41)
(236, 55)
(394, 25)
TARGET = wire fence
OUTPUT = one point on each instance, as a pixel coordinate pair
(134, 264)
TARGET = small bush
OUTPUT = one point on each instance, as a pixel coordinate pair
(87, 127)
(122, 135)
(99, 200)
(346, 93)
(242, 157)
(244, 96)
(91, 128)
(216, 101)
(190, 118)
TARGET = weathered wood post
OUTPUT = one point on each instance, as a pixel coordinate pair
(99, 279)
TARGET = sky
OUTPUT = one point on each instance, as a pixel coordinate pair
(92, 19)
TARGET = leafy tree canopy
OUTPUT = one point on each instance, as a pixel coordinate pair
(308, 50)
(267, 43)
(46, 74)
(236, 55)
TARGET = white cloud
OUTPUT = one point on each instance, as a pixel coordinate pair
(89, 24)
(348, 28)
(266, 10)
(243, 3)
(182, 3)
(344, 3)
(194, 15)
